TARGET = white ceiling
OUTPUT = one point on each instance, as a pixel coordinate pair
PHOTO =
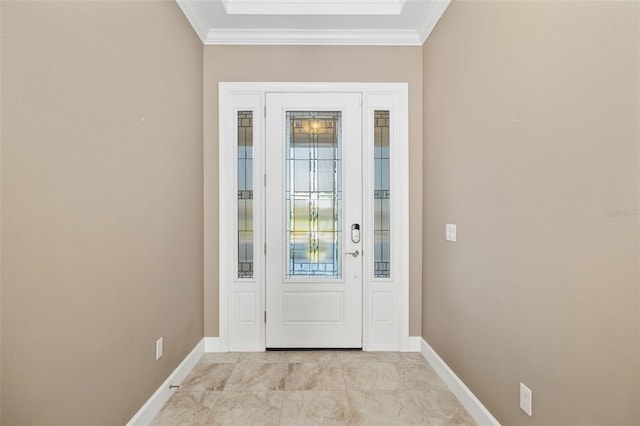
(314, 22)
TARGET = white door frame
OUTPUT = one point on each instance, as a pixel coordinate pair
(385, 324)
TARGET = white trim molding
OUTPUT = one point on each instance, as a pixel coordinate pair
(313, 7)
(195, 18)
(414, 344)
(472, 404)
(429, 23)
(223, 22)
(214, 344)
(242, 301)
(320, 37)
(152, 407)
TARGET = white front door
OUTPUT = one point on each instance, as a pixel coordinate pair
(313, 218)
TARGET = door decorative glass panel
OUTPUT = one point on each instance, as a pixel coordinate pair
(381, 196)
(245, 194)
(313, 195)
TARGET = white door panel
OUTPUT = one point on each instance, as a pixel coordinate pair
(313, 197)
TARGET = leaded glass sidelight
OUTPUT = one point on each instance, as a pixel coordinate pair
(245, 194)
(381, 196)
(314, 194)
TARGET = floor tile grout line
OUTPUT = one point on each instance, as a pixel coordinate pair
(346, 391)
(213, 408)
(284, 397)
(415, 401)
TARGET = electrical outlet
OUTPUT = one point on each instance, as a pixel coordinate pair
(525, 399)
(159, 348)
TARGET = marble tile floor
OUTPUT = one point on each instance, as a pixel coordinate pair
(313, 388)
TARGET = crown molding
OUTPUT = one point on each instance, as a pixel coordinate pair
(429, 23)
(200, 19)
(314, 37)
(195, 18)
(314, 7)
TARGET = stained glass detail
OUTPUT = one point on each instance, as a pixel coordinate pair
(381, 196)
(314, 194)
(245, 194)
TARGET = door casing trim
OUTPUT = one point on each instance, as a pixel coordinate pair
(385, 324)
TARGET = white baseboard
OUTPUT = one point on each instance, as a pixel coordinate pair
(214, 344)
(473, 405)
(152, 407)
(414, 343)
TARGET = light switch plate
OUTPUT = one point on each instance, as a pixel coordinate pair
(159, 348)
(451, 232)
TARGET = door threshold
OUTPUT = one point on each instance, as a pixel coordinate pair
(313, 349)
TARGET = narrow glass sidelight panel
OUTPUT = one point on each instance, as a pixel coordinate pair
(381, 196)
(245, 194)
(314, 195)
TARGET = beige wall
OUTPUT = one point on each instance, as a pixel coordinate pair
(542, 286)
(1, 80)
(318, 64)
(101, 213)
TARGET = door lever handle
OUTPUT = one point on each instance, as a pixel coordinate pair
(354, 253)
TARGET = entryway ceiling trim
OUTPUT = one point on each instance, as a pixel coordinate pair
(314, 7)
(270, 22)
